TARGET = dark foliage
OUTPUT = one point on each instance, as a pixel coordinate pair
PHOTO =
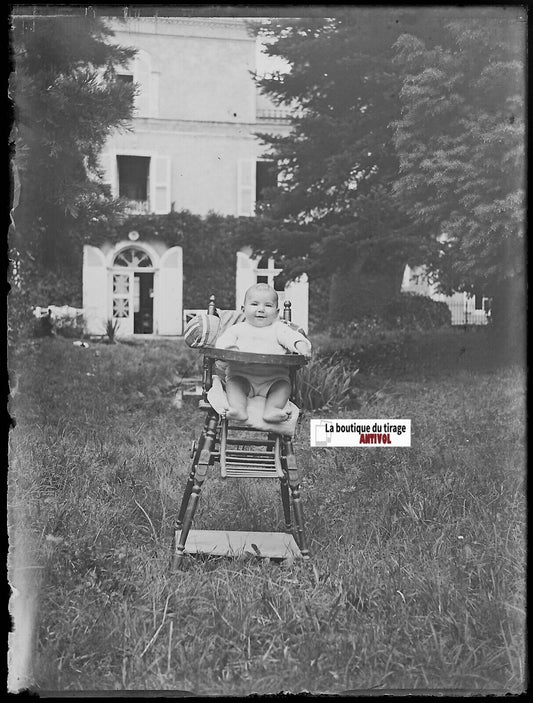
(461, 145)
(66, 102)
(409, 311)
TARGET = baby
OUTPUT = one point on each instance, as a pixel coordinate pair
(262, 332)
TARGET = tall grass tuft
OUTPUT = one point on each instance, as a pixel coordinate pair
(325, 384)
(111, 328)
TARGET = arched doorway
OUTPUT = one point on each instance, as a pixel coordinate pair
(137, 285)
(133, 290)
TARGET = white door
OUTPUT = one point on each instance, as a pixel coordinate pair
(169, 292)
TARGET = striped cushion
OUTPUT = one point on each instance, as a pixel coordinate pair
(201, 330)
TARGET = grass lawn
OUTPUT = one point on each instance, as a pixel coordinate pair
(418, 569)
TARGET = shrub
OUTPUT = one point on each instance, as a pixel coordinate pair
(20, 321)
(43, 326)
(32, 286)
(325, 384)
(409, 310)
(362, 326)
(70, 326)
(65, 321)
(406, 311)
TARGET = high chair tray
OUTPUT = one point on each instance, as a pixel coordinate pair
(252, 358)
(273, 545)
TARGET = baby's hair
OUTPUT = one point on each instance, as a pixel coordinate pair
(260, 287)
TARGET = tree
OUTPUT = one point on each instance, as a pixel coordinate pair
(409, 128)
(66, 100)
(338, 164)
(460, 143)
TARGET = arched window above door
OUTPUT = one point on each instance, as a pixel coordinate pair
(133, 257)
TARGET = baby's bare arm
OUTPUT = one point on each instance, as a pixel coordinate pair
(303, 347)
(293, 340)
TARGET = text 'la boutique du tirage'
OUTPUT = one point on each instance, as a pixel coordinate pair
(356, 433)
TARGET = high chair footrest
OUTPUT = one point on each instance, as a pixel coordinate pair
(274, 545)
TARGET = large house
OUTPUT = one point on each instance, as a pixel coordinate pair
(192, 146)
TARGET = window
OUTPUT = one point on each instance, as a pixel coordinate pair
(266, 176)
(133, 175)
(133, 257)
(126, 78)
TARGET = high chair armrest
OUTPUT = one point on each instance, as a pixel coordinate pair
(293, 360)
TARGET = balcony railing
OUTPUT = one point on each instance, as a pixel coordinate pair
(138, 207)
(273, 114)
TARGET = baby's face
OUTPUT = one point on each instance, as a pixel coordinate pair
(260, 308)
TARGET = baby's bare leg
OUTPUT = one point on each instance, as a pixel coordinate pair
(237, 389)
(276, 400)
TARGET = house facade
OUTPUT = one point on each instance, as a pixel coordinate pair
(192, 146)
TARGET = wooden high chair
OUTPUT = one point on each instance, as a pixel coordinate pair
(241, 455)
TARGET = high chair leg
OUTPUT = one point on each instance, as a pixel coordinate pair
(187, 522)
(289, 461)
(185, 500)
(299, 518)
(223, 446)
(286, 501)
(203, 457)
(197, 447)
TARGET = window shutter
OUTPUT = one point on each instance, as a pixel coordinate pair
(142, 78)
(160, 185)
(154, 94)
(95, 290)
(245, 187)
(169, 303)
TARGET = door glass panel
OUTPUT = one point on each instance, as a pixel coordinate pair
(121, 284)
(121, 307)
(121, 292)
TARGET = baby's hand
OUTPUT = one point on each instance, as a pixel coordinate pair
(303, 348)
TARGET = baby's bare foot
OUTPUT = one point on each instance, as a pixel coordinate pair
(276, 415)
(234, 414)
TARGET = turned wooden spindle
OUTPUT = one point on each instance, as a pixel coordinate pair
(287, 311)
(207, 379)
(212, 308)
